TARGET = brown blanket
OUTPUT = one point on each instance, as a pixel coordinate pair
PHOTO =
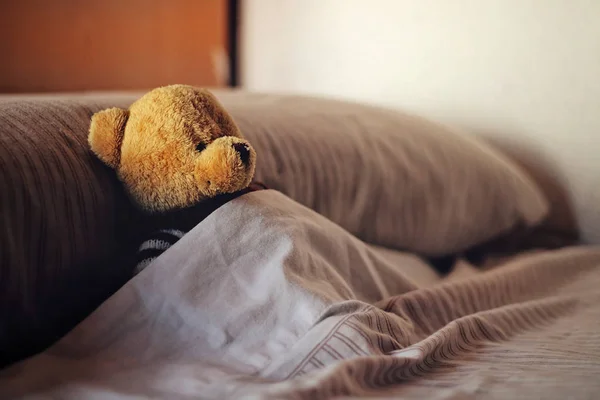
(267, 299)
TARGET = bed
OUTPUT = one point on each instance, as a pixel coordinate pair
(319, 287)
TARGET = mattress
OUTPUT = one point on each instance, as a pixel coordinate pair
(267, 299)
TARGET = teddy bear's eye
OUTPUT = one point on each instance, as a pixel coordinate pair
(200, 146)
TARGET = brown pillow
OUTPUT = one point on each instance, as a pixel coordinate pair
(392, 179)
(62, 216)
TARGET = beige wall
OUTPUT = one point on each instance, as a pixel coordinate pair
(524, 72)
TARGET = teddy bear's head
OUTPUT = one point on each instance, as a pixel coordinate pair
(173, 148)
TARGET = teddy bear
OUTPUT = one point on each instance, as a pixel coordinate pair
(179, 155)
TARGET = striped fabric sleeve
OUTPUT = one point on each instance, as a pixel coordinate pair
(154, 246)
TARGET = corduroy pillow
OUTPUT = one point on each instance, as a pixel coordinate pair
(391, 179)
(62, 217)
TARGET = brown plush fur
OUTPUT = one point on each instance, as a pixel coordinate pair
(173, 148)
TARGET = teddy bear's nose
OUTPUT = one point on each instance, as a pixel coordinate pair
(243, 151)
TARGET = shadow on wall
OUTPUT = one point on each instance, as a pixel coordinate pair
(562, 219)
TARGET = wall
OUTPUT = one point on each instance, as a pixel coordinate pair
(67, 45)
(524, 73)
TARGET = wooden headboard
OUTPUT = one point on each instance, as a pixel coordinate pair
(70, 45)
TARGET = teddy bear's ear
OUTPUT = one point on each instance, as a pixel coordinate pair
(106, 134)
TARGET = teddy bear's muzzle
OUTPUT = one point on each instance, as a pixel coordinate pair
(243, 152)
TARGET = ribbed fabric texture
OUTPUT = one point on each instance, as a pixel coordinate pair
(529, 330)
(390, 178)
(62, 213)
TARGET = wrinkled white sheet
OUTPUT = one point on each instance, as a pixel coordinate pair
(230, 298)
(267, 299)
